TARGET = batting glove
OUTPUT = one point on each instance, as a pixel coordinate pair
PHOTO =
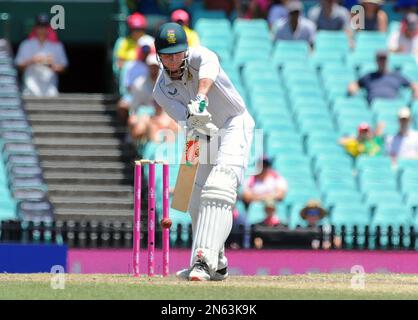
(197, 114)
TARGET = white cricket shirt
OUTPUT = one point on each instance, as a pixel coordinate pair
(174, 95)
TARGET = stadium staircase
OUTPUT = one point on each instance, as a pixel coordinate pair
(87, 166)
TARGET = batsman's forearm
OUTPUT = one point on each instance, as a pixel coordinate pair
(204, 86)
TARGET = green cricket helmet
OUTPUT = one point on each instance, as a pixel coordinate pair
(170, 38)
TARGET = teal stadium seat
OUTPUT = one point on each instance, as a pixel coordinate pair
(333, 198)
(256, 213)
(400, 61)
(410, 72)
(350, 214)
(374, 198)
(322, 58)
(208, 14)
(395, 215)
(241, 26)
(388, 104)
(213, 27)
(288, 52)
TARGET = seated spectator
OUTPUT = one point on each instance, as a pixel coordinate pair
(405, 40)
(382, 83)
(313, 213)
(266, 185)
(271, 219)
(296, 27)
(127, 50)
(134, 69)
(182, 18)
(329, 15)
(161, 127)
(254, 9)
(158, 127)
(51, 33)
(367, 142)
(405, 143)
(41, 61)
(375, 18)
(277, 11)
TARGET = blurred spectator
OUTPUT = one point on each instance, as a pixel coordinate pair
(271, 219)
(41, 61)
(367, 142)
(296, 27)
(266, 185)
(405, 40)
(312, 213)
(161, 127)
(141, 90)
(134, 69)
(254, 9)
(375, 19)
(329, 15)
(51, 33)
(405, 143)
(277, 11)
(225, 5)
(182, 17)
(406, 6)
(382, 83)
(127, 50)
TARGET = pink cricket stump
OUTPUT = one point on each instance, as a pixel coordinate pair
(137, 218)
(151, 219)
(166, 231)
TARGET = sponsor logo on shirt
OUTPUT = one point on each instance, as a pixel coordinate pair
(173, 93)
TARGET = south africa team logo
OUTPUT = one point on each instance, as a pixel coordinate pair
(171, 36)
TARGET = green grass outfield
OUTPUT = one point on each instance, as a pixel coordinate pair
(313, 286)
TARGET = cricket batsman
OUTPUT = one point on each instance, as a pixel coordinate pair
(192, 77)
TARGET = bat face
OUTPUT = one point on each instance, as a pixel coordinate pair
(186, 176)
(192, 151)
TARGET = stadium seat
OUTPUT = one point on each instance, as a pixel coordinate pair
(241, 26)
(400, 61)
(388, 104)
(256, 213)
(374, 198)
(394, 216)
(350, 215)
(332, 198)
(213, 27)
(285, 52)
(410, 72)
(378, 163)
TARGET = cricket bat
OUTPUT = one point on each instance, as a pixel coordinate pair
(187, 175)
(187, 172)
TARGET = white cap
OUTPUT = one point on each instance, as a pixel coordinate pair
(404, 113)
(146, 40)
(152, 60)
